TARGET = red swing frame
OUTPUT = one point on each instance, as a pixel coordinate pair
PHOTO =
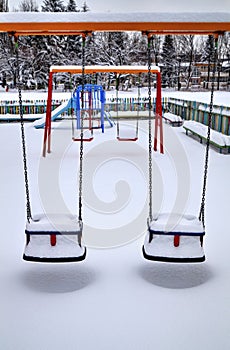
(104, 69)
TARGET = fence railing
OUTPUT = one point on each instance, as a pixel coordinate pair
(29, 106)
(199, 111)
(39, 106)
(188, 110)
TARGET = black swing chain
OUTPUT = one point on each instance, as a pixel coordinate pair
(28, 205)
(117, 104)
(202, 207)
(150, 126)
(82, 130)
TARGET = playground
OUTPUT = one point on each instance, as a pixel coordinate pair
(85, 209)
(114, 295)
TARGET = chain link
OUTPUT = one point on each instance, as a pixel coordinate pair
(202, 207)
(150, 127)
(28, 205)
(82, 130)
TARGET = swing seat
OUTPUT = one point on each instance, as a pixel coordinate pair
(87, 136)
(127, 138)
(127, 134)
(174, 238)
(84, 139)
(54, 238)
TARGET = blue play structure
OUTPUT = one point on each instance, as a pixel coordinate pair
(91, 102)
(94, 107)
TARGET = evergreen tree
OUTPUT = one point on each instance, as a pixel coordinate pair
(72, 45)
(54, 46)
(53, 6)
(85, 7)
(207, 54)
(168, 61)
(72, 6)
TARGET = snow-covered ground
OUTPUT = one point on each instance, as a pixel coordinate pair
(114, 299)
(220, 97)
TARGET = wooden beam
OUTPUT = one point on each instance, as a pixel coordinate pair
(65, 23)
(104, 69)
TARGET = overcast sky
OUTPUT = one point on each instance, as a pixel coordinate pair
(147, 5)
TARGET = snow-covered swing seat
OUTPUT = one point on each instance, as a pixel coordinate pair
(54, 238)
(174, 238)
(50, 237)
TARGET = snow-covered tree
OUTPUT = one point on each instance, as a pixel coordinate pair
(186, 55)
(53, 6)
(72, 6)
(8, 67)
(137, 48)
(155, 48)
(3, 49)
(85, 7)
(28, 6)
(72, 42)
(226, 55)
(168, 60)
(54, 46)
(4, 6)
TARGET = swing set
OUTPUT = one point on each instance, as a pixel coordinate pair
(170, 237)
(86, 105)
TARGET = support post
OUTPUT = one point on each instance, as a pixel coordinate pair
(47, 130)
(102, 100)
(158, 120)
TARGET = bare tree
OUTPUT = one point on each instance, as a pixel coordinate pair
(28, 6)
(4, 6)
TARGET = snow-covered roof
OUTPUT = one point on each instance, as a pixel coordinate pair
(38, 23)
(104, 69)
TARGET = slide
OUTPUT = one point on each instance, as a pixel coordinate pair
(40, 123)
(109, 118)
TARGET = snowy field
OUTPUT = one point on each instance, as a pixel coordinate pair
(220, 98)
(114, 299)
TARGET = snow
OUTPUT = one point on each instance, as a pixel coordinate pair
(202, 130)
(176, 223)
(66, 247)
(53, 222)
(104, 68)
(114, 299)
(163, 246)
(221, 98)
(40, 123)
(164, 226)
(172, 117)
(145, 17)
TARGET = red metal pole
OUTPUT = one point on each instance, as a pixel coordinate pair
(158, 120)
(90, 109)
(47, 130)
